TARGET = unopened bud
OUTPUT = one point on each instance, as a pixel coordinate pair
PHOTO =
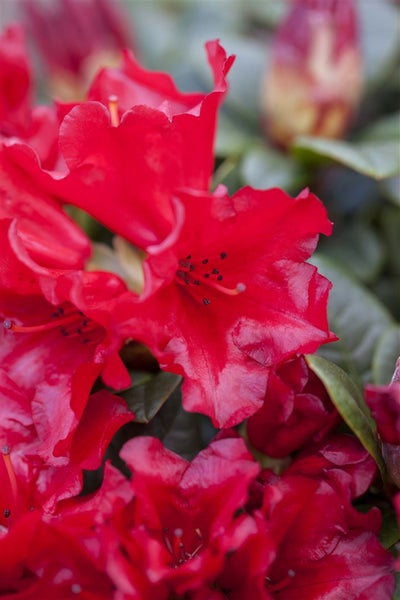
(314, 81)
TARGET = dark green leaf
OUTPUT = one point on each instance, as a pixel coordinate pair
(146, 399)
(386, 353)
(356, 317)
(357, 246)
(377, 159)
(233, 136)
(349, 403)
(389, 535)
(390, 223)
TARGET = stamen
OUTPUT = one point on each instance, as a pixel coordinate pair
(9, 324)
(239, 289)
(67, 321)
(113, 108)
(178, 547)
(214, 277)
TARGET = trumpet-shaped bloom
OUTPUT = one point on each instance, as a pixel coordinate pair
(231, 295)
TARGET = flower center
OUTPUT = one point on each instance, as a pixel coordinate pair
(176, 546)
(67, 319)
(205, 276)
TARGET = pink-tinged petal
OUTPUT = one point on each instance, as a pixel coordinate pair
(358, 567)
(15, 414)
(239, 295)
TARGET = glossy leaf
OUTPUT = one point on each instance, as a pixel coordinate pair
(146, 399)
(390, 534)
(349, 402)
(377, 159)
(359, 248)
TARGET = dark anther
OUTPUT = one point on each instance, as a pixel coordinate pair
(81, 313)
(6, 513)
(189, 256)
(204, 261)
(85, 341)
(206, 275)
(223, 255)
(191, 267)
(206, 301)
(219, 278)
(58, 312)
(64, 332)
(79, 330)
(196, 282)
(186, 279)
(215, 271)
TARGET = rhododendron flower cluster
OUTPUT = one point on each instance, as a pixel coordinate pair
(225, 298)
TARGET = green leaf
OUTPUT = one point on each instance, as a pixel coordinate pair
(233, 136)
(389, 535)
(358, 247)
(146, 398)
(386, 353)
(390, 224)
(377, 159)
(356, 317)
(350, 404)
(264, 168)
(396, 595)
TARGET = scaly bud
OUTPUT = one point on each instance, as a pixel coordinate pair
(314, 82)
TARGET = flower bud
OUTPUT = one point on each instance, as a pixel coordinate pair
(314, 82)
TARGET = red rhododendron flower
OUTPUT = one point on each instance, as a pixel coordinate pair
(47, 559)
(326, 548)
(296, 410)
(161, 137)
(27, 480)
(37, 126)
(175, 534)
(238, 295)
(384, 402)
(65, 349)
